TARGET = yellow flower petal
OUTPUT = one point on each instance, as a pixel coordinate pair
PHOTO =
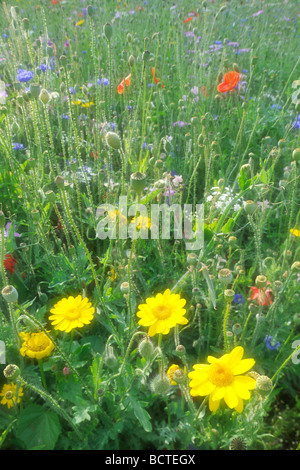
(243, 366)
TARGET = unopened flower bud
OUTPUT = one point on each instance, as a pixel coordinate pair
(108, 31)
(179, 376)
(110, 360)
(44, 96)
(113, 140)
(59, 181)
(237, 329)
(296, 266)
(146, 348)
(180, 349)
(161, 385)
(124, 287)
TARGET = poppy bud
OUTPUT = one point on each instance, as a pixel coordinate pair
(10, 294)
(146, 348)
(90, 11)
(277, 286)
(236, 68)
(131, 61)
(180, 349)
(113, 140)
(110, 360)
(35, 215)
(44, 96)
(237, 328)
(108, 31)
(146, 56)
(25, 22)
(192, 259)
(161, 386)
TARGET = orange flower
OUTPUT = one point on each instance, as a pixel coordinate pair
(262, 295)
(156, 79)
(231, 80)
(125, 81)
(188, 19)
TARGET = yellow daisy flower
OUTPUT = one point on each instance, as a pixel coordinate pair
(163, 312)
(295, 232)
(170, 373)
(9, 394)
(141, 222)
(79, 23)
(221, 379)
(71, 312)
(36, 345)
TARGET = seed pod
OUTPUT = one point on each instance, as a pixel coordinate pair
(161, 386)
(261, 281)
(35, 90)
(250, 207)
(296, 155)
(138, 181)
(229, 295)
(10, 294)
(263, 385)
(237, 444)
(225, 276)
(11, 372)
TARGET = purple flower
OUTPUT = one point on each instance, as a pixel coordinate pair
(271, 343)
(6, 231)
(258, 13)
(238, 299)
(24, 75)
(103, 81)
(180, 123)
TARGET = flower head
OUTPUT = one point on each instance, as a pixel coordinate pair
(262, 295)
(221, 379)
(36, 345)
(271, 343)
(9, 263)
(162, 312)
(155, 78)
(9, 394)
(125, 81)
(24, 75)
(71, 312)
(230, 81)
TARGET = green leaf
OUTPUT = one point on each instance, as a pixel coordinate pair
(38, 428)
(227, 226)
(141, 414)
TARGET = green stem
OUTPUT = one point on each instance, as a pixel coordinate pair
(224, 326)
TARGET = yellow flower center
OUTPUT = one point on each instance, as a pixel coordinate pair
(220, 374)
(162, 312)
(38, 342)
(72, 313)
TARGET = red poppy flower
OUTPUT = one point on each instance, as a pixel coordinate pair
(261, 295)
(188, 19)
(156, 79)
(54, 2)
(230, 81)
(125, 81)
(9, 263)
(95, 154)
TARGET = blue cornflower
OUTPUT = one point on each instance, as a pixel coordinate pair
(17, 146)
(5, 36)
(238, 299)
(103, 81)
(72, 90)
(296, 123)
(24, 75)
(43, 67)
(271, 343)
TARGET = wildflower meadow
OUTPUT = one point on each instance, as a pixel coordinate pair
(149, 225)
